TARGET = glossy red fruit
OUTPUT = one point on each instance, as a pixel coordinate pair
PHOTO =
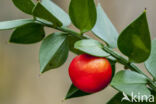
(90, 74)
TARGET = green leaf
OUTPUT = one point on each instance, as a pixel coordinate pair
(71, 41)
(24, 5)
(28, 33)
(118, 97)
(91, 47)
(53, 51)
(5, 25)
(104, 29)
(75, 92)
(59, 13)
(135, 41)
(130, 81)
(42, 12)
(151, 62)
(83, 14)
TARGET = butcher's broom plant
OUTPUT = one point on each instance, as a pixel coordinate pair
(134, 42)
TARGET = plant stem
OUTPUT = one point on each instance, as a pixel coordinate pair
(119, 58)
(63, 29)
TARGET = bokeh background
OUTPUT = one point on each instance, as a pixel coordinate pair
(20, 79)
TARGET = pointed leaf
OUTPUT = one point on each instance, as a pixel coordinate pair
(53, 51)
(83, 14)
(28, 33)
(24, 5)
(5, 25)
(42, 12)
(104, 29)
(151, 62)
(59, 13)
(135, 41)
(129, 81)
(75, 92)
(91, 47)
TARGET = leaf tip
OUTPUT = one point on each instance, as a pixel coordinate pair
(11, 40)
(42, 71)
(145, 10)
(65, 98)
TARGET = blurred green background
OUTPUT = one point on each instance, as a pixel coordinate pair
(20, 79)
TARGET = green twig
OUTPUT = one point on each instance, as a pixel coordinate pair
(63, 29)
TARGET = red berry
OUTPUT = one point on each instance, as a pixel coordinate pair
(89, 73)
